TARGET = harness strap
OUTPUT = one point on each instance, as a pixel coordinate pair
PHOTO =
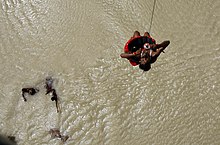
(151, 52)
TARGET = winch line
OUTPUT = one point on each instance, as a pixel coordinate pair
(151, 21)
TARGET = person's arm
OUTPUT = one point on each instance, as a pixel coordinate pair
(49, 91)
(24, 90)
(127, 55)
(162, 45)
(24, 97)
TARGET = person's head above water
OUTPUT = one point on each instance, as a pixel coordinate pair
(136, 34)
(145, 66)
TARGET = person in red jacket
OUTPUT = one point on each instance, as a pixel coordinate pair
(143, 50)
(132, 48)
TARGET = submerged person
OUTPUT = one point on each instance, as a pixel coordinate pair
(29, 91)
(55, 133)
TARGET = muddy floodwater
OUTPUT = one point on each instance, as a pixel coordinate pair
(103, 99)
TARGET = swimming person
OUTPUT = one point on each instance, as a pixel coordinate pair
(50, 89)
(29, 91)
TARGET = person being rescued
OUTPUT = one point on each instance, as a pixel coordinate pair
(143, 50)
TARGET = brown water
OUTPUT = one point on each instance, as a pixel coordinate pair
(104, 99)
